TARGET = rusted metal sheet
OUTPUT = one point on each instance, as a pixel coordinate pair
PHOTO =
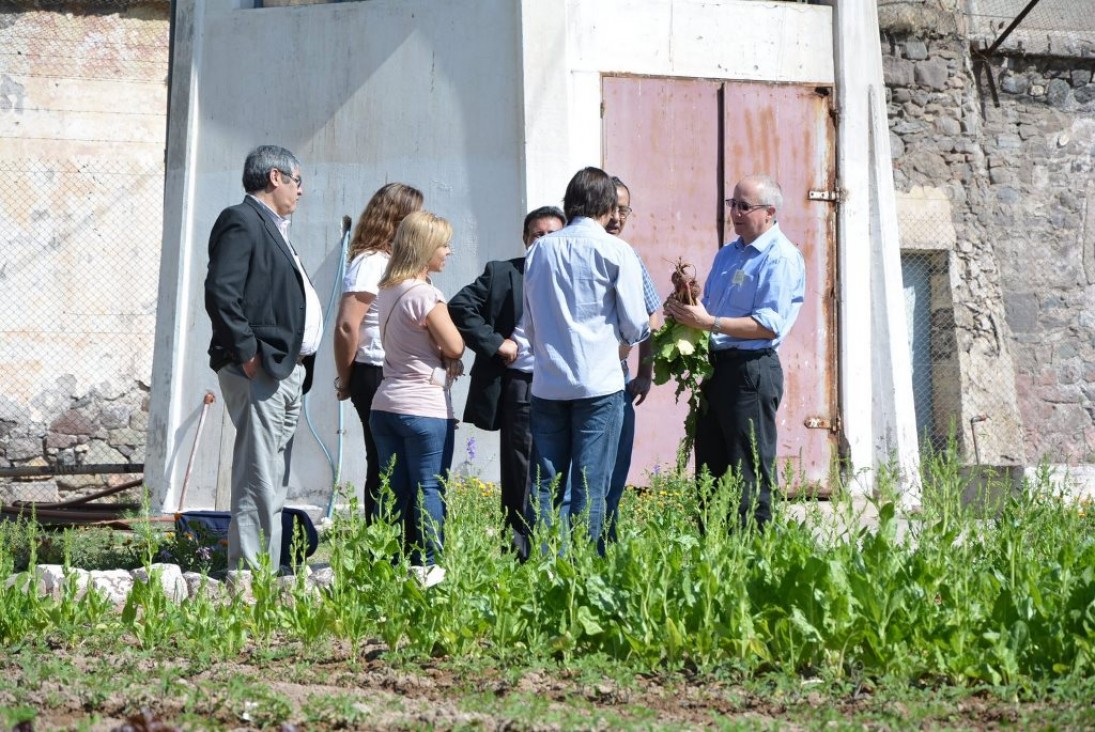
(661, 137)
(681, 145)
(787, 131)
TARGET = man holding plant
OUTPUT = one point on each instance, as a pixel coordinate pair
(750, 302)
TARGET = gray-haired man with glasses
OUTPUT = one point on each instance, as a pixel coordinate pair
(267, 323)
(750, 302)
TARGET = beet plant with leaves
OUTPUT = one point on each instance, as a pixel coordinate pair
(681, 353)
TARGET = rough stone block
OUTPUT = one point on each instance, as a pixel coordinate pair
(125, 436)
(100, 453)
(170, 578)
(322, 576)
(81, 578)
(1081, 77)
(932, 74)
(1015, 84)
(50, 577)
(114, 416)
(897, 147)
(908, 127)
(1002, 175)
(58, 441)
(1058, 93)
(22, 448)
(948, 126)
(73, 422)
(114, 584)
(1028, 131)
(197, 584)
(1084, 94)
(929, 164)
(896, 72)
(916, 49)
(44, 491)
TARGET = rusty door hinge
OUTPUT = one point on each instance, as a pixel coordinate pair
(822, 423)
(835, 196)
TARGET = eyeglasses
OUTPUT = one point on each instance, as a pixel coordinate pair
(295, 178)
(624, 212)
(744, 207)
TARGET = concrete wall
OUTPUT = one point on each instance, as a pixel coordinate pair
(364, 93)
(82, 119)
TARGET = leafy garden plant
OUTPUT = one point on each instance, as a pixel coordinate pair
(843, 590)
(682, 353)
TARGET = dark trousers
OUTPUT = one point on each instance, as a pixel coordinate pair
(364, 381)
(738, 429)
(515, 449)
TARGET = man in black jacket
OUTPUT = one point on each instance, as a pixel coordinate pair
(488, 314)
(267, 323)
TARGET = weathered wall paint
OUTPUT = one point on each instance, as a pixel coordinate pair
(82, 110)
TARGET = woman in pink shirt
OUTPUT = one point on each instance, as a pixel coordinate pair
(412, 418)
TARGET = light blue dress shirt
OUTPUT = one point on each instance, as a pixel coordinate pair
(583, 297)
(765, 280)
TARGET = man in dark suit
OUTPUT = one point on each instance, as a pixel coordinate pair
(267, 322)
(488, 314)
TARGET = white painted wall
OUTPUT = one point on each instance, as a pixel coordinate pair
(488, 106)
(364, 93)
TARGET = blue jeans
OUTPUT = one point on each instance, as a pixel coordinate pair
(575, 442)
(623, 466)
(422, 448)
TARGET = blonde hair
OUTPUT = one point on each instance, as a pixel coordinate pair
(376, 226)
(419, 235)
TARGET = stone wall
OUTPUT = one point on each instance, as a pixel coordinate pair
(83, 95)
(1017, 171)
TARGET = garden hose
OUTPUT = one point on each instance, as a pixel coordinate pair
(335, 463)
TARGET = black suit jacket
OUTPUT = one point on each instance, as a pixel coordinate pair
(486, 312)
(254, 293)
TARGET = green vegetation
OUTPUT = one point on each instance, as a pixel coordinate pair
(831, 618)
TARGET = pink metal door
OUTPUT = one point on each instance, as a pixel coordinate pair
(661, 137)
(681, 145)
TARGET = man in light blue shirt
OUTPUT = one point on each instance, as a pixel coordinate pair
(583, 299)
(750, 302)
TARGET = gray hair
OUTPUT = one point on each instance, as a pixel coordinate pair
(263, 159)
(768, 189)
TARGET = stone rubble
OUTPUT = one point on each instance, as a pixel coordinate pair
(52, 580)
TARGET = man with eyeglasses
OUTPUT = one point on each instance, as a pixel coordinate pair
(750, 302)
(637, 388)
(267, 323)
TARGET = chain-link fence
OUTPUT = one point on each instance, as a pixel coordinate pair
(1000, 362)
(1052, 27)
(82, 135)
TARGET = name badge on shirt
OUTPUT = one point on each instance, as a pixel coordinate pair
(739, 277)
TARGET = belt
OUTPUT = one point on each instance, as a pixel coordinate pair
(740, 354)
(518, 374)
